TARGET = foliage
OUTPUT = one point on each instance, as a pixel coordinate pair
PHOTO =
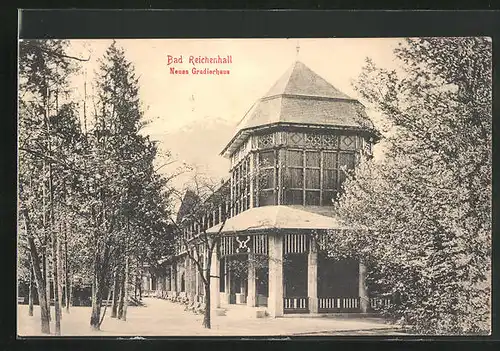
(427, 202)
(110, 203)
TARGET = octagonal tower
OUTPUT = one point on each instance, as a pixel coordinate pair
(291, 147)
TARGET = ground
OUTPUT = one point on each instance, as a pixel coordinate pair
(164, 318)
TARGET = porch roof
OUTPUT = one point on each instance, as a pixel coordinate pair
(281, 217)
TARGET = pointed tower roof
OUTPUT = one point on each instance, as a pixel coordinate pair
(301, 97)
(302, 81)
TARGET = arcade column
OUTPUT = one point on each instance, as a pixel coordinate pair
(275, 301)
(251, 284)
(214, 281)
(364, 300)
(312, 278)
(227, 282)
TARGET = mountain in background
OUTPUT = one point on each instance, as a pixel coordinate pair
(198, 145)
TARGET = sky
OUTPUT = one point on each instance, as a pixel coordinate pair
(194, 116)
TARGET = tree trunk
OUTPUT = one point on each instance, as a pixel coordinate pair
(46, 223)
(47, 278)
(125, 288)
(66, 270)
(55, 278)
(207, 323)
(59, 276)
(55, 261)
(31, 292)
(98, 287)
(39, 279)
(121, 300)
(96, 302)
(105, 308)
(116, 291)
(42, 297)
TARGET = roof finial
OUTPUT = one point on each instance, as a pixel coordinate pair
(298, 48)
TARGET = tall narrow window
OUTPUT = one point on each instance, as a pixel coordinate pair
(267, 178)
(312, 179)
(330, 177)
(293, 181)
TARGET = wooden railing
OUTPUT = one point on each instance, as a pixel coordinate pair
(296, 305)
(338, 304)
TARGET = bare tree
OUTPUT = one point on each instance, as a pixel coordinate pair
(205, 208)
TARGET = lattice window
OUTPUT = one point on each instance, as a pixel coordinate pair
(295, 139)
(266, 140)
(330, 141)
(347, 142)
(313, 140)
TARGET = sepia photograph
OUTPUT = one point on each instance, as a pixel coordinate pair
(254, 187)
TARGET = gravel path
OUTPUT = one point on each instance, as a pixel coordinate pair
(164, 318)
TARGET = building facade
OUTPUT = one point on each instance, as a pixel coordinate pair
(288, 160)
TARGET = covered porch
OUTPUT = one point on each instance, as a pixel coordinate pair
(275, 257)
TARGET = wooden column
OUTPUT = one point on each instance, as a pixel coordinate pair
(214, 282)
(251, 286)
(275, 302)
(364, 300)
(227, 281)
(312, 277)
